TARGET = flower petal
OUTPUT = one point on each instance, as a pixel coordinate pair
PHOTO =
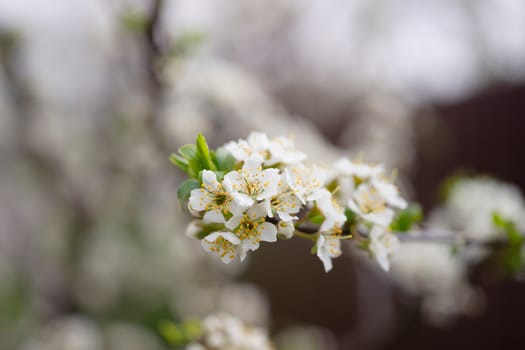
(390, 193)
(269, 180)
(243, 200)
(284, 216)
(250, 243)
(383, 218)
(209, 179)
(286, 228)
(214, 216)
(257, 211)
(268, 232)
(323, 254)
(199, 199)
(234, 222)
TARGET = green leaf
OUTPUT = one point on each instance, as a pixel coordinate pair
(223, 159)
(313, 250)
(207, 229)
(185, 44)
(180, 334)
(350, 216)
(135, 22)
(194, 168)
(179, 162)
(317, 219)
(511, 257)
(364, 244)
(203, 153)
(407, 218)
(184, 190)
(449, 184)
(508, 227)
(315, 216)
(188, 151)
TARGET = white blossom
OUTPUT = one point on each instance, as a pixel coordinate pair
(285, 203)
(368, 203)
(251, 183)
(282, 150)
(211, 198)
(279, 150)
(471, 204)
(195, 346)
(345, 166)
(328, 247)
(224, 244)
(251, 228)
(255, 146)
(431, 271)
(286, 229)
(194, 227)
(333, 213)
(382, 245)
(306, 183)
(225, 332)
(389, 192)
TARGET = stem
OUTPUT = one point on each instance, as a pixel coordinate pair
(350, 236)
(309, 236)
(445, 237)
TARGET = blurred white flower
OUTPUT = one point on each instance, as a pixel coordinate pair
(346, 167)
(225, 332)
(430, 270)
(333, 213)
(251, 228)
(255, 146)
(389, 192)
(382, 245)
(282, 150)
(368, 203)
(251, 183)
(224, 244)
(244, 301)
(285, 229)
(212, 198)
(306, 183)
(68, 333)
(471, 204)
(270, 152)
(285, 203)
(328, 247)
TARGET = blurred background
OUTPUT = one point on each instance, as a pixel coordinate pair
(95, 95)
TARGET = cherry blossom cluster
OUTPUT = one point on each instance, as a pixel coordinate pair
(260, 189)
(225, 332)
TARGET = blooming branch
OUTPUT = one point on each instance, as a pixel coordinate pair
(260, 189)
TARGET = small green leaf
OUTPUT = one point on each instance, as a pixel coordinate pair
(315, 216)
(407, 218)
(179, 162)
(317, 219)
(184, 190)
(511, 255)
(185, 44)
(194, 168)
(188, 151)
(223, 159)
(203, 153)
(135, 22)
(364, 244)
(350, 216)
(313, 251)
(207, 229)
(509, 227)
